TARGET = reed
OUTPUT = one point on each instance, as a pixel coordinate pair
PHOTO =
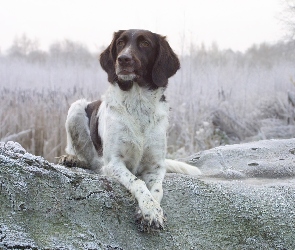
(217, 98)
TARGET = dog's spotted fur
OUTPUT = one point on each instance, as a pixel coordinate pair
(124, 135)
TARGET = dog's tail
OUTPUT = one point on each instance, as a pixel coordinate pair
(173, 166)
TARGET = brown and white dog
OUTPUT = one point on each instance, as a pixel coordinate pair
(124, 135)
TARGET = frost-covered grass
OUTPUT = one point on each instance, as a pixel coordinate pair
(218, 97)
(229, 100)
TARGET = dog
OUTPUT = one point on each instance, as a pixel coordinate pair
(124, 134)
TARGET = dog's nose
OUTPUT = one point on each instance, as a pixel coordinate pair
(125, 59)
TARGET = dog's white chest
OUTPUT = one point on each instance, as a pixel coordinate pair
(131, 122)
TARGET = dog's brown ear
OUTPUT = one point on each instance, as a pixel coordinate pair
(166, 64)
(108, 58)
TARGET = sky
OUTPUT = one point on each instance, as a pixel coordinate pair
(232, 24)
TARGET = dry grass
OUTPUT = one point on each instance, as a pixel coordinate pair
(35, 120)
(216, 99)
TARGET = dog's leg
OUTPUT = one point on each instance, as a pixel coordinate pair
(79, 141)
(152, 213)
(154, 179)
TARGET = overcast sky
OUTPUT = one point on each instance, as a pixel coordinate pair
(235, 24)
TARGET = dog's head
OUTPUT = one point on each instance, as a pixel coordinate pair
(139, 56)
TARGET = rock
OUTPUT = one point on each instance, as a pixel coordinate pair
(47, 206)
(263, 159)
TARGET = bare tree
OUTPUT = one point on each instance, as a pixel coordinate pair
(70, 51)
(22, 46)
(288, 17)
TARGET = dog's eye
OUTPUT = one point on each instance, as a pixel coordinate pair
(120, 43)
(144, 43)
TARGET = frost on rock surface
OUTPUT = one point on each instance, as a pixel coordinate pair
(272, 159)
(244, 200)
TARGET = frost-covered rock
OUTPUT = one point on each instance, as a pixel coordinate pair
(47, 206)
(263, 159)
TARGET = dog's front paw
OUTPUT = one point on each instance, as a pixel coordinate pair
(150, 217)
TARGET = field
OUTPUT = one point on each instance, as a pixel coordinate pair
(218, 97)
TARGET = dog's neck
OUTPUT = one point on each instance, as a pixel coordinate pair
(138, 101)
